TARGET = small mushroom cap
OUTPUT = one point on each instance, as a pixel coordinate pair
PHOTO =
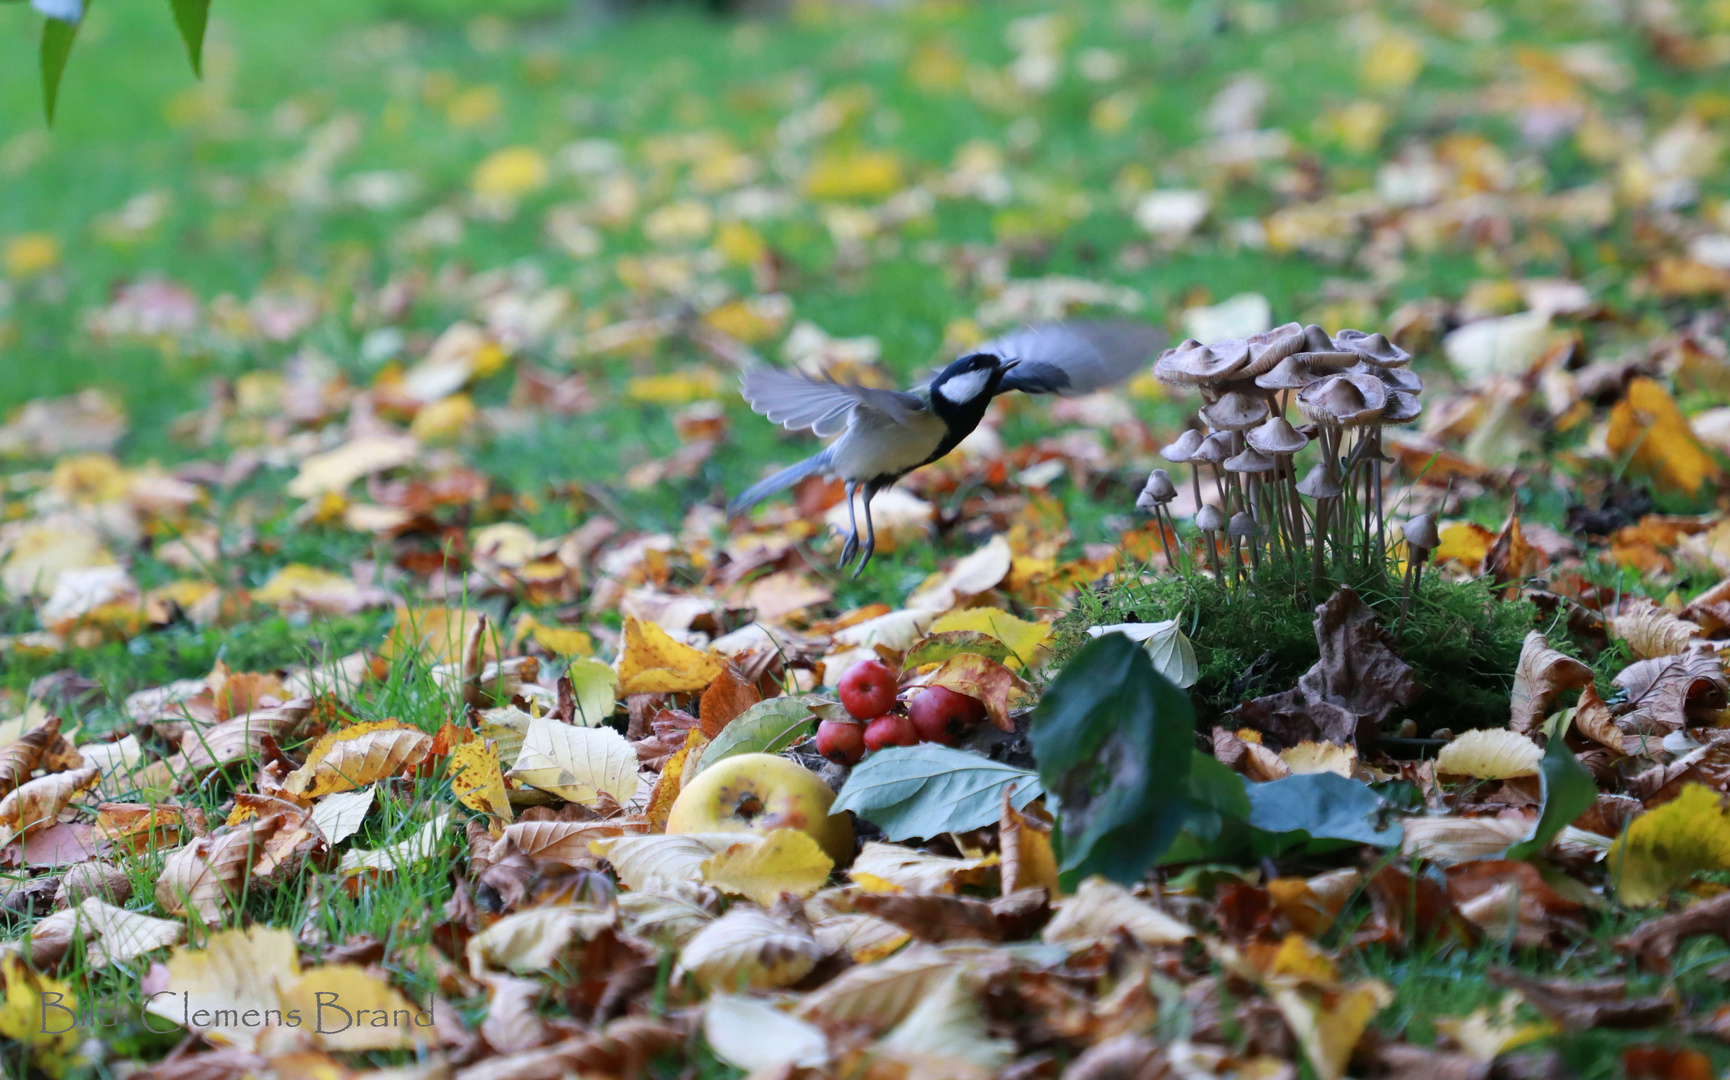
(1403, 408)
(1271, 346)
(1184, 448)
(1420, 532)
(1215, 448)
(1236, 411)
(1243, 524)
(1202, 365)
(1347, 400)
(1159, 486)
(1375, 347)
(1276, 436)
(1249, 460)
(1289, 374)
(1403, 379)
(1317, 484)
(1210, 518)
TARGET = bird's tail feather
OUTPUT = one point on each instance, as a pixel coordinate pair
(781, 481)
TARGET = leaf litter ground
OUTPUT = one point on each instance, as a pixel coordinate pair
(368, 600)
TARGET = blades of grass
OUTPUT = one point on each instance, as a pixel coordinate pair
(57, 38)
(192, 16)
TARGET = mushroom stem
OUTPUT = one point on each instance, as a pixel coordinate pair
(1159, 523)
(1212, 555)
(1381, 514)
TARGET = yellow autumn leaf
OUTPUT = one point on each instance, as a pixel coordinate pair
(511, 173)
(298, 581)
(475, 778)
(1019, 636)
(1648, 428)
(786, 861)
(356, 756)
(1665, 847)
(653, 663)
(558, 640)
(674, 388)
(30, 254)
(1490, 754)
(1466, 543)
(667, 788)
(444, 419)
(856, 174)
(30, 1016)
(1392, 62)
(352, 1010)
(1314, 757)
(577, 764)
(1329, 1023)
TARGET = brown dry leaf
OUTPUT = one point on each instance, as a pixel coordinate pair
(1589, 1006)
(749, 947)
(20, 757)
(787, 861)
(237, 740)
(1102, 909)
(984, 679)
(1593, 719)
(1648, 429)
(1025, 841)
(728, 696)
(1312, 904)
(210, 873)
(112, 935)
(1654, 942)
(932, 917)
(359, 755)
(640, 860)
(578, 764)
(1662, 691)
(141, 827)
(669, 913)
(475, 778)
(567, 842)
(884, 867)
(1650, 631)
(1457, 839)
(879, 995)
(1542, 673)
(1511, 558)
(972, 575)
(864, 939)
(1509, 900)
(534, 940)
(511, 1023)
(37, 803)
(651, 662)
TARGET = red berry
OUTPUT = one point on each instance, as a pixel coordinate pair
(891, 730)
(868, 689)
(841, 742)
(941, 715)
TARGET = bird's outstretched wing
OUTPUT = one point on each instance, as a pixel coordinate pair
(1071, 358)
(823, 405)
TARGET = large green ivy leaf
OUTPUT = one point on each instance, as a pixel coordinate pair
(767, 727)
(928, 790)
(1325, 806)
(1569, 791)
(191, 16)
(1114, 740)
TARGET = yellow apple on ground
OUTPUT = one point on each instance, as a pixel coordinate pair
(760, 792)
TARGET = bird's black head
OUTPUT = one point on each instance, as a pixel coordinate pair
(967, 386)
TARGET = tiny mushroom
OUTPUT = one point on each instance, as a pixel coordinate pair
(1155, 494)
(1210, 519)
(1421, 539)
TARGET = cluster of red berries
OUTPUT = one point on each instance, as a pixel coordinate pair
(935, 714)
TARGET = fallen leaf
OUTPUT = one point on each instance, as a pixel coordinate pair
(1649, 431)
(787, 861)
(640, 861)
(985, 680)
(1541, 674)
(1665, 847)
(358, 755)
(535, 940)
(475, 778)
(36, 804)
(577, 764)
(341, 814)
(1489, 754)
(111, 935)
(1101, 909)
(889, 867)
(755, 1036)
(651, 662)
(1024, 639)
(748, 948)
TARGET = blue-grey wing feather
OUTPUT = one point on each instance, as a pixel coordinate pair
(1071, 358)
(821, 405)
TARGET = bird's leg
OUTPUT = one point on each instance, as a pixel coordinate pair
(852, 544)
(870, 532)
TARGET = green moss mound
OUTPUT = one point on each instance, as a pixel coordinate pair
(1460, 638)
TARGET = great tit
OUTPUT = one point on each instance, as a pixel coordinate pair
(886, 434)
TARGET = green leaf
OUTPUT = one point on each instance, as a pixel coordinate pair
(1114, 740)
(1325, 805)
(928, 790)
(1170, 649)
(57, 40)
(936, 648)
(594, 688)
(192, 16)
(1569, 791)
(767, 727)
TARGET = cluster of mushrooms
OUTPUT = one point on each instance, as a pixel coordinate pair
(1346, 388)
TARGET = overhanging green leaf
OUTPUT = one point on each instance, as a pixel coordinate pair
(1114, 740)
(192, 16)
(767, 727)
(928, 790)
(1324, 805)
(1569, 791)
(57, 38)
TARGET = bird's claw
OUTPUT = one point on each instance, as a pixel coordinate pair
(864, 558)
(848, 550)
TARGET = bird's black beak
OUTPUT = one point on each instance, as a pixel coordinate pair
(1005, 365)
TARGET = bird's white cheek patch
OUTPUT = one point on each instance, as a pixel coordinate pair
(964, 388)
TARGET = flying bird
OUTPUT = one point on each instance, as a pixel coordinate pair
(886, 434)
